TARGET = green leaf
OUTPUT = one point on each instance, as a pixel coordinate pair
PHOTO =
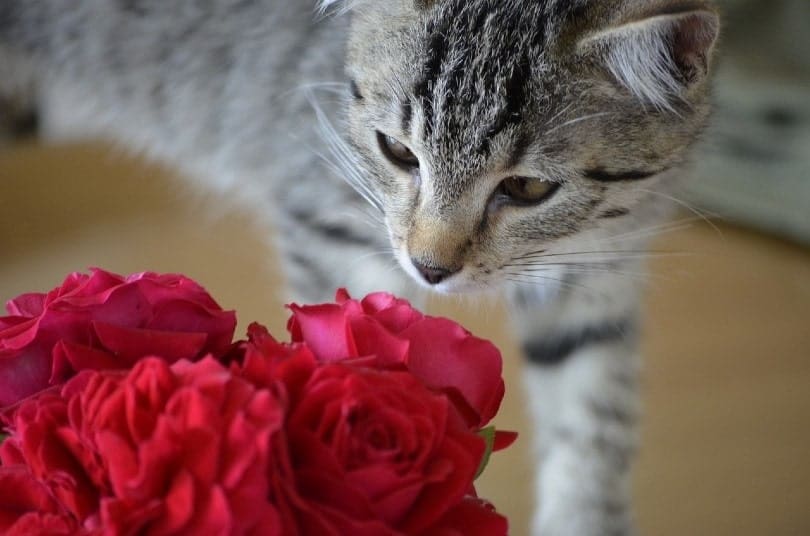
(488, 435)
(3, 438)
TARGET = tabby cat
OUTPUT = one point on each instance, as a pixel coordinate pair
(523, 145)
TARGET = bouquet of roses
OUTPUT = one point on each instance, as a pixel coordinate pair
(129, 409)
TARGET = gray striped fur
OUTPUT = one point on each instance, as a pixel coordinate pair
(603, 97)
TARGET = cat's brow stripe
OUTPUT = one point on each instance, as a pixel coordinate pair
(601, 175)
(519, 150)
(437, 51)
(407, 116)
(511, 113)
(554, 349)
(614, 213)
(464, 34)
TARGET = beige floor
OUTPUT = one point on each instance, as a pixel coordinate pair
(727, 377)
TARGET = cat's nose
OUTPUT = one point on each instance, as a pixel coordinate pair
(433, 274)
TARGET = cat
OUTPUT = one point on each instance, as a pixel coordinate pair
(520, 145)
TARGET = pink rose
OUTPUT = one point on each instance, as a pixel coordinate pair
(438, 351)
(101, 321)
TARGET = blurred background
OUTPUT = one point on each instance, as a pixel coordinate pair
(726, 435)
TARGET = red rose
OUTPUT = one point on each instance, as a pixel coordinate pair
(38, 426)
(368, 423)
(101, 321)
(27, 506)
(180, 448)
(438, 351)
(470, 517)
(369, 451)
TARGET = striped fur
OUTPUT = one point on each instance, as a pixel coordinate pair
(601, 98)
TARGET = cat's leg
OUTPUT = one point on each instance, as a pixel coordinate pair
(19, 117)
(581, 377)
(18, 120)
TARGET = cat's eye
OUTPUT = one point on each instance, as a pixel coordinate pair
(525, 190)
(397, 152)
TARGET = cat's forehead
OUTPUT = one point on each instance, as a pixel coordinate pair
(480, 71)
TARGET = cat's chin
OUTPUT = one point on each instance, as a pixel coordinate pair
(458, 286)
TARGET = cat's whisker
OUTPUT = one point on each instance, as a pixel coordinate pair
(534, 278)
(323, 9)
(536, 275)
(533, 264)
(337, 88)
(579, 266)
(560, 113)
(385, 255)
(347, 174)
(577, 120)
(347, 162)
(653, 230)
(703, 215)
(591, 261)
(364, 216)
(338, 171)
(586, 270)
(610, 255)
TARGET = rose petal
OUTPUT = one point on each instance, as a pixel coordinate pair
(131, 344)
(326, 331)
(27, 305)
(69, 358)
(504, 439)
(471, 517)
(20, 493)
(186, 316)
(374, 339)
(445, 356)
(24, 373)
(465, 451)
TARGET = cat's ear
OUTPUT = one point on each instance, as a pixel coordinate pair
(658, 55)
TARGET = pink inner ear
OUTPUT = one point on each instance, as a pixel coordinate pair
(693, 40)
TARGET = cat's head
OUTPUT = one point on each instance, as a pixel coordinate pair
(495, 129)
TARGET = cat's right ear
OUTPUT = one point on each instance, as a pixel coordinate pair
(659, 55)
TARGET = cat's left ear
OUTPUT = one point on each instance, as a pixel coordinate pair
(658, 55)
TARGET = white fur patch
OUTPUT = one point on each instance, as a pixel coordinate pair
(640, 59)
(639, 54)
(345, 5)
